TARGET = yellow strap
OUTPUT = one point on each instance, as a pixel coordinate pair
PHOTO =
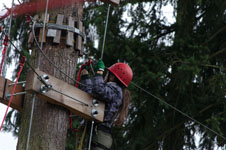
(82, 138)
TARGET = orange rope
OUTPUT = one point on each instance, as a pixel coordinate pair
(18, 76)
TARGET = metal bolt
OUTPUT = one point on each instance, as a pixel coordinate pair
(15, 94)
(45, 77)
(43, 89)
(22, 82)
(95, 102)
(94, 113)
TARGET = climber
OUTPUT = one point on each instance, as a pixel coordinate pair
(113, 90)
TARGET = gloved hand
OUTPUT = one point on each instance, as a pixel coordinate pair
(100, 65)
(86, 67)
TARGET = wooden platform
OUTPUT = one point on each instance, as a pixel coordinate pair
(81, 104)
(5, 89)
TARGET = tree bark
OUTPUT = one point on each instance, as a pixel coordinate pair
(50, 122)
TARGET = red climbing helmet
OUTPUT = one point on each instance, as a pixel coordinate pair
(123, 72)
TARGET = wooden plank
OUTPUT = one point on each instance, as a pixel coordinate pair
(30, 38)
(41, 30)
(70, 35)
(82, 44)
(60, 19)
(79, 38)
(2, 87)
(76, 107)
(17, 100)
(114, 2)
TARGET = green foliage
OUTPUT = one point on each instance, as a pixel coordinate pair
(181, 63)
(19, 36)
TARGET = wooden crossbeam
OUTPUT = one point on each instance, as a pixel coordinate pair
(114, 2)
(59, 21)
(41, 30)
(82, 104)
(6, 90)
(70, 35)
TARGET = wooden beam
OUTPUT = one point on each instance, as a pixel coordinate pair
(79, 38)
(41, 29)
(2, 88)
(81, 104)
(70, 35)
(114, 2)
(5, 89)
(60, 19)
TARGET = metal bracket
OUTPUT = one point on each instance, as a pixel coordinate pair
(22, 82)
(15, 94)
(61, 27)
(45, 87)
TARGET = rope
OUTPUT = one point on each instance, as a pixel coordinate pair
(105, 31)
(184, 114)
(5, 43)
(82, 138)
(39, 77)
(14, 87)
(43, 31)
(76, 85)
(47, 58)
(30, 123)
(91, 134)
(34, 96)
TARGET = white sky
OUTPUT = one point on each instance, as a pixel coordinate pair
(7, 141)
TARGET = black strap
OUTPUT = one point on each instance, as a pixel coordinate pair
(104, 128)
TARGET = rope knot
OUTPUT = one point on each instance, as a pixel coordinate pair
(22, 61)
(28, 19)
(6, 39)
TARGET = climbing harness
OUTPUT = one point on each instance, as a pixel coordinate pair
(22, 61)
(81, 140)
(5, 43)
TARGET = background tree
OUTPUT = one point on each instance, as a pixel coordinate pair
(182, 63)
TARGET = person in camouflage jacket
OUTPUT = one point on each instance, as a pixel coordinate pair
(113, 91)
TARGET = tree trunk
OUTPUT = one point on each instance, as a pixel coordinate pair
(50, 122)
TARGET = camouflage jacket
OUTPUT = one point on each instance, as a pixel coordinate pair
(109, 92)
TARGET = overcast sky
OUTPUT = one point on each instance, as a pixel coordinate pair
(7, 141)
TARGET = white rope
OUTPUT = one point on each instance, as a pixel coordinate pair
(43, 31)
(184, 114)
(91, 135)
(30, 123)
(39, 60)
(105, 31)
